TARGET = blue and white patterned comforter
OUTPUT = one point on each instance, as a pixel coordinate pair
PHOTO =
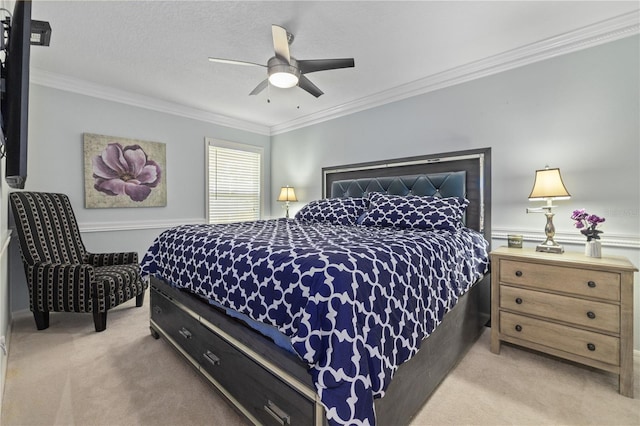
(356, 301)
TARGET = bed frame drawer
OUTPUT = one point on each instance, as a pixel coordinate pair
(259, 394)
(268, 398)
(178, 325)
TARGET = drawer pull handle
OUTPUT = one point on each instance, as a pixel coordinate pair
(277, 413)
(211, 357)
(591, 347)
(518, 301)
(591, 315)
(518, 328)
(185, 333)
(518, 273)
(157, 309)
(591, 284)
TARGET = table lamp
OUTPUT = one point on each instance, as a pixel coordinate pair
(548, 186)
(287, 194)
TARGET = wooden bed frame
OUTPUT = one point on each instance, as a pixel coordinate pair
(270, 385)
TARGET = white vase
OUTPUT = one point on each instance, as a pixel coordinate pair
(593, 248)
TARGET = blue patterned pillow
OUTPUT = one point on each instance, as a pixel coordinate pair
(415, 212)
(338, 211)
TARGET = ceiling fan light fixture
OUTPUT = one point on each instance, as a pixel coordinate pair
(283, 80)
(282, 74)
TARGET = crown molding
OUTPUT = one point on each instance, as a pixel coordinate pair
(593, 35)
(82, 87)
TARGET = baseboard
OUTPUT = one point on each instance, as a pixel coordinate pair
(5, 362)
(22, 313)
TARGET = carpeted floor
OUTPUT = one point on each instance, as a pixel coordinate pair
(70, 375)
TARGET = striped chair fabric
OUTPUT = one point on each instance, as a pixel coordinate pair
(62, 276)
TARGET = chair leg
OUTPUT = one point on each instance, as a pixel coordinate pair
(42, 319)
(140, 299)
(100, 321)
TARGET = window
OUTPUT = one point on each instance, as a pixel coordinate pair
(233, 182)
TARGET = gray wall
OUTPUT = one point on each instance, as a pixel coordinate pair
(579, 112)
(57, 121)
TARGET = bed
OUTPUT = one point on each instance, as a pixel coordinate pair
(327, 318)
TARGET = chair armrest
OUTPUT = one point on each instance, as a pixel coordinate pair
(108, 259)
(60, 286)
(47, 272)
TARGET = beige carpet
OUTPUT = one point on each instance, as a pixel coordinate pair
(70, 375)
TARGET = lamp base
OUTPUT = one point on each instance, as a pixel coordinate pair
(550, 247)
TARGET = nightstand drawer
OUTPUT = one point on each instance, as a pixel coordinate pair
(586, 313)
(582, 282)
(568, 339)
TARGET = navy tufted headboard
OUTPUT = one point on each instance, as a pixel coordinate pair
(461, 173)
(450, 184)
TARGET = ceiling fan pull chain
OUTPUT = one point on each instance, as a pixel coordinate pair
(268, 92)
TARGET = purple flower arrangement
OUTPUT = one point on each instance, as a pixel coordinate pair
(587, 224)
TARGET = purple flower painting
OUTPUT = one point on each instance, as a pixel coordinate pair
(121, 172)
(125, 171)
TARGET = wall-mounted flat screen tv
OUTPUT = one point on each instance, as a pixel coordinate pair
(15, 99)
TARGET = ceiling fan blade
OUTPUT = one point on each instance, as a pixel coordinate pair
(260, 87)
(281, 42)
(313, 65)
(234, 62)
(307, 85)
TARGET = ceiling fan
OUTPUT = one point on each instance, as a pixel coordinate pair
(284, 70)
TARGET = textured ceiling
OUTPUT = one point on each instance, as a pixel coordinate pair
(159, 49)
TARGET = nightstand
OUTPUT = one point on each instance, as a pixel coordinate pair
(568, 305)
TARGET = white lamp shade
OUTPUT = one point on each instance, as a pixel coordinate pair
(287, 194)
(548, 184)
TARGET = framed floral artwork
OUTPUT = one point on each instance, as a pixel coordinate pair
(121, 172)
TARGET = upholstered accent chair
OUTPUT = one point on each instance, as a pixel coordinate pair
(62, 276)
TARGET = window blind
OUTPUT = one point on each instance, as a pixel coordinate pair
(234, 184)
